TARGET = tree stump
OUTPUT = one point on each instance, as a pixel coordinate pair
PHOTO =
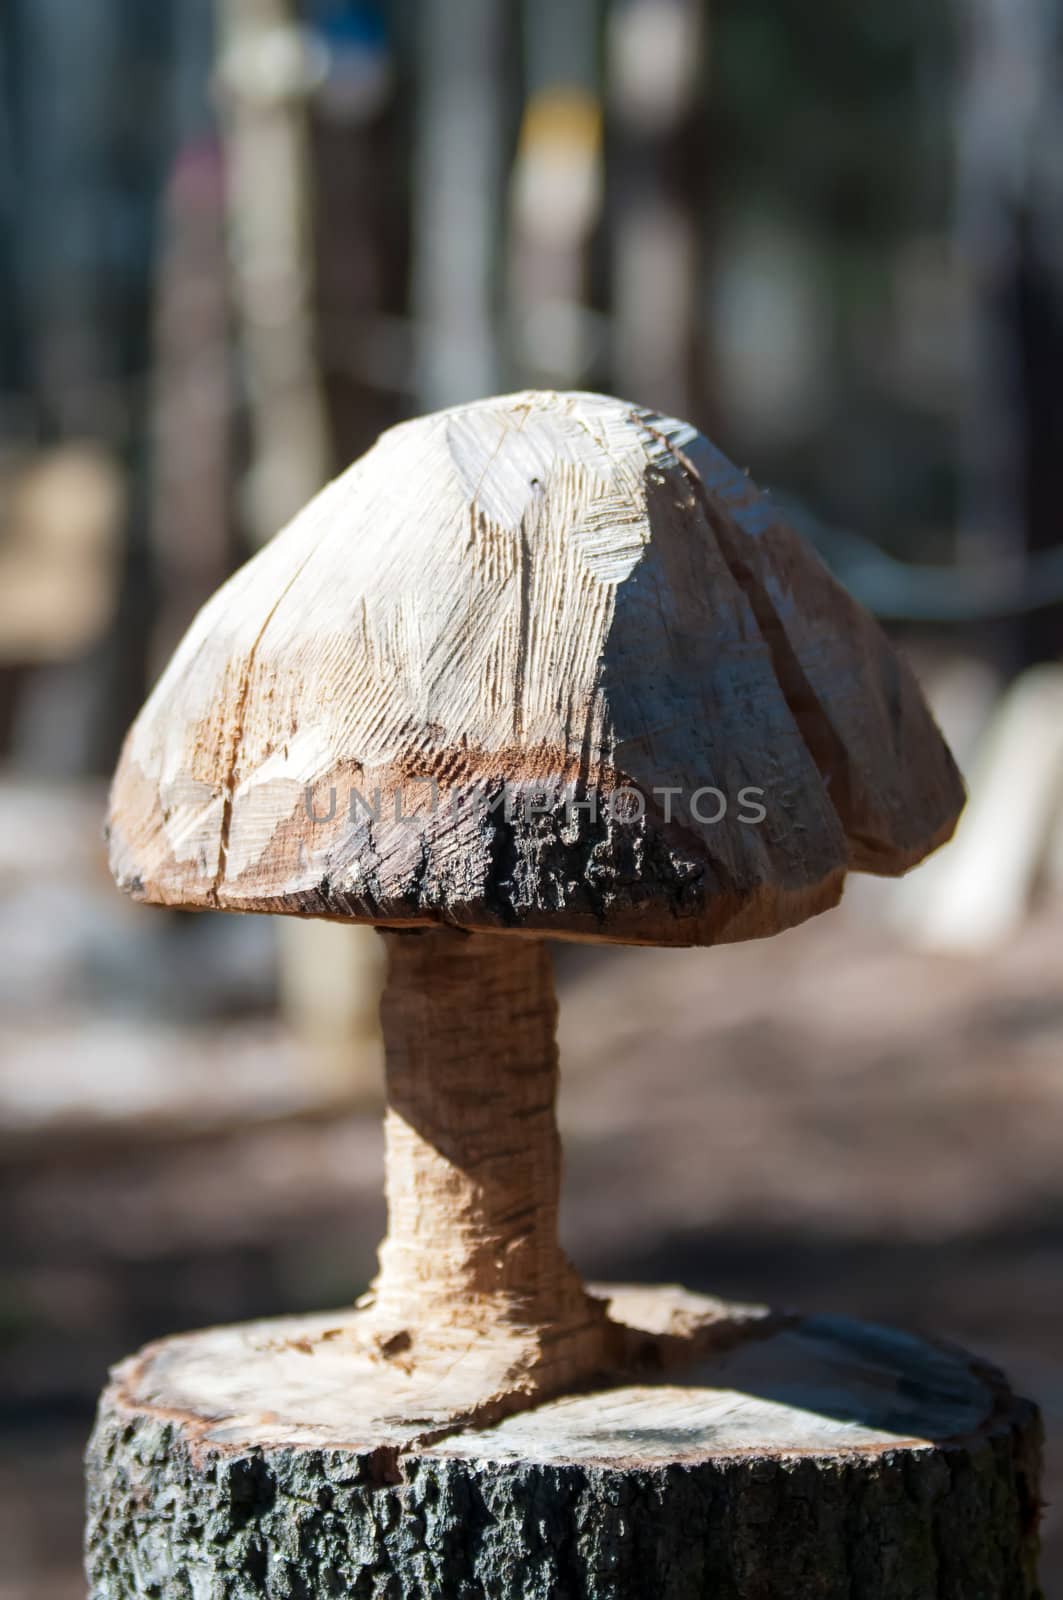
(734, 1453)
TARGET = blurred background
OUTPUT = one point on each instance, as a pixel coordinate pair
(240, 237)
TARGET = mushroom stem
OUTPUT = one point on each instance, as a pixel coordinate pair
(474, 1160)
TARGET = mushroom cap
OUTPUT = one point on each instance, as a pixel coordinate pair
(544, 663)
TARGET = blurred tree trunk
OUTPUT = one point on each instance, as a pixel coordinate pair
(458, 178)
(360, 161)
(266, 72)
(192, 395)
(555, 196)
(89, 131)
(191, 489)
(1009, 234)
(654, 76)
(1040, 318)
(192, 388)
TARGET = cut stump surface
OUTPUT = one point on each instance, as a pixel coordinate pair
(739, 1455)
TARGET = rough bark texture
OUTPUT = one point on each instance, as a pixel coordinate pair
(788, 1460)
(538, 662)
(471, 1257)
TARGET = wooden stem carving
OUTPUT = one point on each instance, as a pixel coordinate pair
(474, 1162)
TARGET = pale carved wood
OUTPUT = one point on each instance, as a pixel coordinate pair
(535, 596)
(550, 598)
(471, 1262)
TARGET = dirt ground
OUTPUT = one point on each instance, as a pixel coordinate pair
(825, 1121)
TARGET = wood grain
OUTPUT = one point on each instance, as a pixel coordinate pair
(541, 597)
(730, 1453)
(473, 1285)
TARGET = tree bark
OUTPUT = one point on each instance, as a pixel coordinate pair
(740, 1456)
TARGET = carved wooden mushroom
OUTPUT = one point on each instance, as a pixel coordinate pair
(547, 665)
